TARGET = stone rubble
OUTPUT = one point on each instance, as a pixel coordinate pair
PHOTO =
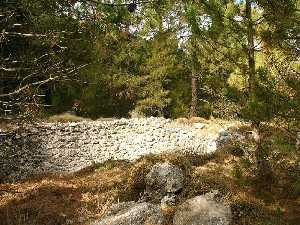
(164, 180)
(69, 147)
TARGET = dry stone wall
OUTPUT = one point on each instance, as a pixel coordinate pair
(68, 147)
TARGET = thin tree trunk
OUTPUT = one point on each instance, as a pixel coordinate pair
(265, 174)
(298, 149)
(194, 103)
(263, 167)
(250, 37)
(251, 55)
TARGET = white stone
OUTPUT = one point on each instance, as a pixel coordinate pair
(199, 125)
(67, 144)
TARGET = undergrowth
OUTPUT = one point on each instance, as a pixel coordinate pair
(66, 117)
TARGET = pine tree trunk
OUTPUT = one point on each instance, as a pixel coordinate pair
(298, 149)
(194, 103)
(264, 169)
(251, 56)
(250, 37)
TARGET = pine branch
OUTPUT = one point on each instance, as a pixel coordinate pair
(121, 4)
(39, 83)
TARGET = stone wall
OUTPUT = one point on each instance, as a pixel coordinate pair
(68, 147)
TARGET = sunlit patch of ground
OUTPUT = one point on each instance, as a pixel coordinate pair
(66, 117)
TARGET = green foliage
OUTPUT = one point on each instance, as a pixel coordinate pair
(160, 69)
(143, 61)
(180, 96)
(266, 101)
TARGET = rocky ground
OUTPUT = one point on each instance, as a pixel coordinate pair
(170, 188)
(163, 184)
(69, 147)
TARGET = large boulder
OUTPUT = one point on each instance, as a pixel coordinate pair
(163, 179)
(131, 213)
(202, 210)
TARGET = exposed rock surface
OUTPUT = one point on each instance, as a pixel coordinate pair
(164, 179)
(168, 201)
(226, 136)
(68, 147)
(130, 213)
(202, 210)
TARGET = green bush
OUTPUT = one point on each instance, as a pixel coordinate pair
(66, 117)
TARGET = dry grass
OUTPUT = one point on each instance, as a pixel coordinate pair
(66, 117)
(59, 199)
(211, 126)
(7, 126)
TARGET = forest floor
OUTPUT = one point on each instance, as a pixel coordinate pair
(85, 195)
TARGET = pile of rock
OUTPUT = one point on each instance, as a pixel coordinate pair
(164, 182)
(69, 147)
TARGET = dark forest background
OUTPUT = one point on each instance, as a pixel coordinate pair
(221, 58)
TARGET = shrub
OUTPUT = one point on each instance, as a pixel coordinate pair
(66, 117)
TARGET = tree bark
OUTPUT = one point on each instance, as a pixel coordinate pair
(194, 103)
(250, 37)
(263, 166)
(265, 174)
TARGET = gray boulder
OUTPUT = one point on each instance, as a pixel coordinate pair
(163, 179)
(224, 137)
(131, 213)
(227, 136)
(202, 210)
